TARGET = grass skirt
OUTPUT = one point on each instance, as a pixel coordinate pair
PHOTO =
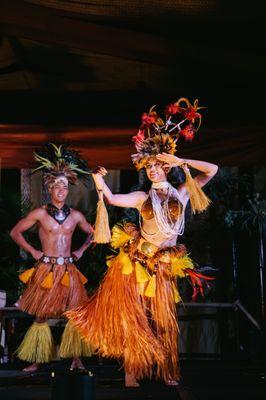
(37, 345)
(132, 316)
(52, 289)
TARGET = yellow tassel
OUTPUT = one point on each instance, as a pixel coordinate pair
(142, 275)
(102, 231)
(198, 199)
(65, 279)
(123, 258)
(72, 344)
(47, 283)
(37, 345)
(141, 288)
(151, 288)
(176, 294)
(26, 275)
(83, 278)
(119, 236)
(179, 265)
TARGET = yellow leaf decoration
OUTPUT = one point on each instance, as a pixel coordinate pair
(119, 237)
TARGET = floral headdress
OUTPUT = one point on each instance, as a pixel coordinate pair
(60, 163)
(156, 135)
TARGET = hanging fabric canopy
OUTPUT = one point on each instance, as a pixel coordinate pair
(112, 146)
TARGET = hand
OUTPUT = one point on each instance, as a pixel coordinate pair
(170, 159)
(99, 171)
(97, 175)
(77, 254)
(36, 254)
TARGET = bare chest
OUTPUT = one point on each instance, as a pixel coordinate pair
(50, 226)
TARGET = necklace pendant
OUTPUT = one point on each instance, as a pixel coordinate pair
(59, 215)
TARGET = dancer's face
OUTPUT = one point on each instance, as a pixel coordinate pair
(58, 192)
(155, 171)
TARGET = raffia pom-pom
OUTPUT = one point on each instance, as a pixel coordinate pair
(82, 278)
(26, 275)
(151, 288)
(65, 280)
(198, 199)
(47, 283)
(102, 232)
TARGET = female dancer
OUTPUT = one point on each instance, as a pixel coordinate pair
(133, 314)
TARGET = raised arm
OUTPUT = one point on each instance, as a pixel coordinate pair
(208, 169)
(23, 225)
(134, 199)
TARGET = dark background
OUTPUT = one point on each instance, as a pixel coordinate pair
(83, 72)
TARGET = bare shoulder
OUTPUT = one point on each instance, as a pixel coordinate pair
(141, 197)
(77, 215)
(37, 213)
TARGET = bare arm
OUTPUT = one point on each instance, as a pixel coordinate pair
(208, 170)
(87, 228)
(134, 199)
(23, 225)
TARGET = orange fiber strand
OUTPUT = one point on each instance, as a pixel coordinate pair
(114, 322)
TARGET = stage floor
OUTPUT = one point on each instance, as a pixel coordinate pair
(201, 380)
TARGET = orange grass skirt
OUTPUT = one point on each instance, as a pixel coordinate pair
(122, 324)
(54, 301)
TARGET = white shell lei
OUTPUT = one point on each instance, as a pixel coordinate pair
(165, 224)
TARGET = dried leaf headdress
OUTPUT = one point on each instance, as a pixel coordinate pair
(58, 161)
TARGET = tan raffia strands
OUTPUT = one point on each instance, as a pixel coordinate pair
(72, 345)
(102, 232)
(198, 199)
(37, 345)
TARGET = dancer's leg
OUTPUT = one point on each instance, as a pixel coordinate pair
(130, 380)
(77, 364)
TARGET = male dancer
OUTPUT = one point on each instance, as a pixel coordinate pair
(54, 285)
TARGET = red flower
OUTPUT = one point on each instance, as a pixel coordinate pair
(173, 109)
(149, 119)
(139, 137)
(188, 132)
(191, 114)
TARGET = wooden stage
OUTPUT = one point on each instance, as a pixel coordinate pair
(201, 380)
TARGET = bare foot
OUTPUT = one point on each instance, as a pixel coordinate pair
(172, 382)
(32, 368)
(131, 381)
(76, 364)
